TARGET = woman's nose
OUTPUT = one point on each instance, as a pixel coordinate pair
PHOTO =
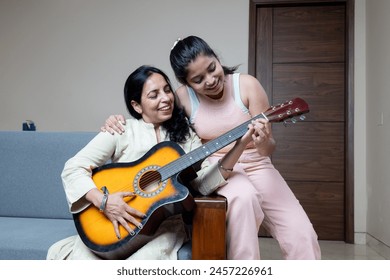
(210, 80)
(164, 96)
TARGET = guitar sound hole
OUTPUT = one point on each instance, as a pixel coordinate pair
(150, 181)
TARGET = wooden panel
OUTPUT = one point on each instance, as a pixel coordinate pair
(321, 85)
(323, 203)
(209, 217)
(309, 34)
(308, 151)
(264, 49)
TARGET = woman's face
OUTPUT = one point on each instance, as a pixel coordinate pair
(157, 100)
(206, 76)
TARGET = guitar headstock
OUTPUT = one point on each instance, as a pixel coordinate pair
(287, 110)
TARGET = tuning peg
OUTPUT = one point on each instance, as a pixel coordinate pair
(302, 117)
(287, 122)
(293, 120)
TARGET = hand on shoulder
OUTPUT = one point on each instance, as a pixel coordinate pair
(114, 123)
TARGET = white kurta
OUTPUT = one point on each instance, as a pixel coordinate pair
(139, 137)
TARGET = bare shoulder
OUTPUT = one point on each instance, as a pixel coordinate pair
(250, 83)
(253, 94)
(184, 99)
(182, 90)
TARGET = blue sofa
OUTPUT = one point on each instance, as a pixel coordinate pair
(33, 210)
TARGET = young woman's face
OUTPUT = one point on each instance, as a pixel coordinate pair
(206, 76)
(157, 100)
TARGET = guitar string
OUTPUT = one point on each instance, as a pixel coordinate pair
(204, 151)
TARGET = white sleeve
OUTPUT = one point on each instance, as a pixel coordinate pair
(77, 173)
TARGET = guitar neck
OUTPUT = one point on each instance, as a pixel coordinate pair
(205, 150)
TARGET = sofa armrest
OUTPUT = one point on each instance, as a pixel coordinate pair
(209, 228)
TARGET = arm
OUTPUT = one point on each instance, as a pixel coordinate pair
(81, 191)
(255, 98)
(77, 173)
(183, 99)
(212, 176)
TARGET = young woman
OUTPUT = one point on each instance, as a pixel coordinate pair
(156, 118)
(216, 100)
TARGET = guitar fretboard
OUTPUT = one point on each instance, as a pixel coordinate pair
(205, 150)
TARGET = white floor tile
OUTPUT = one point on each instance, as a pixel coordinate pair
(331, 250)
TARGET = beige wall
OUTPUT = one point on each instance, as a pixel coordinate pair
(360, 123)
(63, 64)
(378, 119)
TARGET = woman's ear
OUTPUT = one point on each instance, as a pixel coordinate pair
(137, 107)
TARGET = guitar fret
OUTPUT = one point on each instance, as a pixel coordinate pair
(203, 151)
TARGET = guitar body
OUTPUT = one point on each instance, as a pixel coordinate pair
(157, 199)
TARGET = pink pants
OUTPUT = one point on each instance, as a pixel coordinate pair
(258, 195)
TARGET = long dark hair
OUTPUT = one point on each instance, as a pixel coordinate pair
(187, 50)
(177, 126)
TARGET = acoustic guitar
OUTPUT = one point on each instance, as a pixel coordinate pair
(159, 191)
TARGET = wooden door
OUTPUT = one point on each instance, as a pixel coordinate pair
(301, 49)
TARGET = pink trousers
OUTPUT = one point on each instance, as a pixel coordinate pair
(258, 195)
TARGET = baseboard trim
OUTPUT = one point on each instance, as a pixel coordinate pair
(378, 246)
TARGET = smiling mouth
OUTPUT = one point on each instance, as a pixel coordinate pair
(165, 108)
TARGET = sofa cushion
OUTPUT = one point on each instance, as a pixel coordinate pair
(185, 252)
(31, 164)
(30, 238)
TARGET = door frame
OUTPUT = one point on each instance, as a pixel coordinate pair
(349, 235)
